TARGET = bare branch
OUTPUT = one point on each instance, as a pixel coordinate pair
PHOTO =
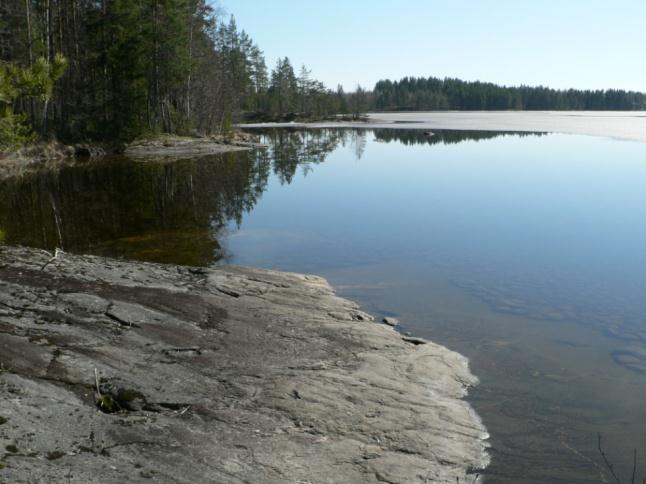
(605, 460)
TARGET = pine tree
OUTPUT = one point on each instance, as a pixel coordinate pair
(283, 88)
(19, 84)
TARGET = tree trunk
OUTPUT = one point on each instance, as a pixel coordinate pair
(29, 37)
(155, 73)
(190, 65)
(48, 31)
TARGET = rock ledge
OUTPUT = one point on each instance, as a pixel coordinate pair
(229, 374)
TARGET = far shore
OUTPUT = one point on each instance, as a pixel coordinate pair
(626, 125)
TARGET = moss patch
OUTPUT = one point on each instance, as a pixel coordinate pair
(56, 454)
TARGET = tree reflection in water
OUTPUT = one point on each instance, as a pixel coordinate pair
(176, 212)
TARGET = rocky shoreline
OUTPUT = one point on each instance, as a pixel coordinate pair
(114, 371)
(169, 146)
(54, 155)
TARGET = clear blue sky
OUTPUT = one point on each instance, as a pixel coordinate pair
(559, 43)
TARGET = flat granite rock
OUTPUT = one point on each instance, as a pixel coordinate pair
(223, 375)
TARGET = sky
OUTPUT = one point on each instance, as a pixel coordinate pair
(587, 44)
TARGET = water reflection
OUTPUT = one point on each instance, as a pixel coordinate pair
(526, 256)
(175, 212)
(443, 136)
(289, 150)
(165, 212)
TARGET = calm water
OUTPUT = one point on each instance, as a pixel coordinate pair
(527, 253)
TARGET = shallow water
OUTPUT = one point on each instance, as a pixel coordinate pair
(527, 253)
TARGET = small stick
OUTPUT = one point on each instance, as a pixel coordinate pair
(47, 263)
(184, 410)
(56, 251)
(605, 459)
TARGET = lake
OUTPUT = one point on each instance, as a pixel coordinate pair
(524, 252)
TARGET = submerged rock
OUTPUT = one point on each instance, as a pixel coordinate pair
(226, 375)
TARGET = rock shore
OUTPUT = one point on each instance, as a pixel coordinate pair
(54, 155)
(223, 375)
(173, 147)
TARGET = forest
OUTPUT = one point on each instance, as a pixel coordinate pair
(419, 93)
(118, 69)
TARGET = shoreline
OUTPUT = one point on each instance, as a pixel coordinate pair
(593, 123)
(54, 155)
(228, 374)
(175, 147)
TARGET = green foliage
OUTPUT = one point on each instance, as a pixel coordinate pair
(106, 403)
(16, 83)
(54, 455)
(411, 93)
(36, 81)
(227, 126)
(144, 67)
(283, 91)
(127, 63)
(179, 122)
(358, 102)
(8, 89)
(14, 131)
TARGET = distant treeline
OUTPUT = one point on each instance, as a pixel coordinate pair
(117, 69)
(114, 70)
(418, 93)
